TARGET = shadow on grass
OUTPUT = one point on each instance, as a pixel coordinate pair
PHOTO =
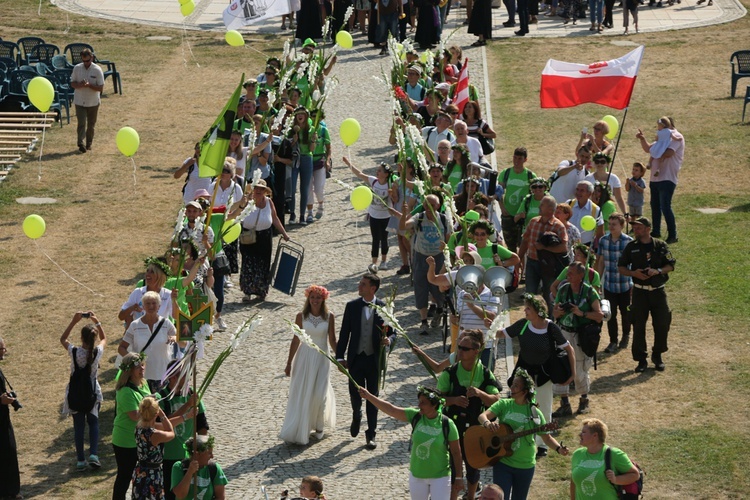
(26, 283)
(52, 475)
(59, 156)
(740, 208)
(35, 298)
(129, 281)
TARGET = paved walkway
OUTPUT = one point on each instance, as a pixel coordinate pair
(207, 16)
(247, 399)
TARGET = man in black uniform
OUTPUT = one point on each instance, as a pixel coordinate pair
(648, 261)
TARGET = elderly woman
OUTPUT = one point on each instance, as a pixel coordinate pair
(433, 445)
(153, 335)
(563, 212)
(86, 357)
(130, 389)
(598, 142)
(590, 478)
(514, 473)
(576, 306)
(538, 336)
(312, 404)
(157, 272)
(255, 275)
(225, 189)
(150, 436)
(386, 195)
(211, 479)
(602, 175)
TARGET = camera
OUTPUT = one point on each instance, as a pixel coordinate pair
(566, 306)
(85, 315)
(15, 404)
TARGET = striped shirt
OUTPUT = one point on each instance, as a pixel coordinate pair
(611, 250)
(469, 319)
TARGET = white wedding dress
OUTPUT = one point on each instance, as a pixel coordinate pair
(312, 404)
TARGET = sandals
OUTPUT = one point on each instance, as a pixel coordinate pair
(479, 43)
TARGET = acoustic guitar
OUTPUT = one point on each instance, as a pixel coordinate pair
(485, 448)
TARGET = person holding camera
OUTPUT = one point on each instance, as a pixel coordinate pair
(576, 305)
(10, 477)
(86, 357)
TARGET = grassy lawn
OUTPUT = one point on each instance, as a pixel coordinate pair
(681, 425)
(673, 423)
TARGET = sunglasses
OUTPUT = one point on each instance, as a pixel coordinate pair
(225, 171)
(465, 349)
(600, 162)
(537, 187)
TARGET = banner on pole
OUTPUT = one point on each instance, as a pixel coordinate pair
(240, 13)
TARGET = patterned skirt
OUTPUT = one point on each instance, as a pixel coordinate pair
(255, 276)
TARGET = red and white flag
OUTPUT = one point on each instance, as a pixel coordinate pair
(609, 83)
(461, 95)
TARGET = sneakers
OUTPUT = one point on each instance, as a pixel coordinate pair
(319, 213)
(310, 219)
(624, 342)
(81, 465)
(403, 270)
(424, 329)
(292, 218)
(642, 365)
(672, 239)
(220, 325)
(658, 363)
(81, 148)
(228, 284)
(437, 317)
(383, 265)
(371, 443)
(94, 462)
(302, 222)
(583, 406)
(564, 411)
(431, 310)
(541, 452)
(611, 348)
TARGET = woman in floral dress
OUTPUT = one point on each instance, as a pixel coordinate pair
(148, 477)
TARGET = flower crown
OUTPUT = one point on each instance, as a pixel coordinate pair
(528, 382)
(203, 443)
(158, 262)
(431, 394)
(320, 290)
(133, 362)
(539, 306)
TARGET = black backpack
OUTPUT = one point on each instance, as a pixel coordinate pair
(81, 390)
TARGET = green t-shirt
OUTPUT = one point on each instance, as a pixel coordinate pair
(583, 300)
(175, 449)
(516, 188)
(454, 175)
(444, 382)
(488, 254)
(324, 138)
(587, 473)
(205, 486)
(595, 282)
(430, 455)
(240, 125)
(128, 398)
(519, 418)
(532, 210)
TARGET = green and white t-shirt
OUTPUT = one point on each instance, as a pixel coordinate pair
(205, 486)
(516, 188)
(430, 455)
(519, 418)
(587, 473)
(488, 255)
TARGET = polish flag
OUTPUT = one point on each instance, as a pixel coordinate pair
(461, 94)
(609, 83)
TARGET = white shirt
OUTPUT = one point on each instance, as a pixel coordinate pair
(222, 195)
(159, 352)
(581, 212)
(136, 297)
(475, 149)
(564, 188)
(85, 96)
(194, 183)
(614, 181)
(469, 319)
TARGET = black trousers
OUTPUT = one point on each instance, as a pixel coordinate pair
(653, 302)
(364, 369)
(609, 5)
(619, 301)
(523, 14)
(126, 459)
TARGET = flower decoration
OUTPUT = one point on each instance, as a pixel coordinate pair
(125, 367)
(160, 263)
(317, 289)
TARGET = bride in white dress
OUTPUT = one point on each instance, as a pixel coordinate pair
(312, 404)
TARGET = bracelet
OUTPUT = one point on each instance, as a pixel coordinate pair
(558, 448)
(98, 324)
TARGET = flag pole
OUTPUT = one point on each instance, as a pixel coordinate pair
(617, 145)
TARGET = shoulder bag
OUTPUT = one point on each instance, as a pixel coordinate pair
(557, 366)
(488, 145)
(250, 236)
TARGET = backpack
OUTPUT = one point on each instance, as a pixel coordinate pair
(630, 491)
(516, 273)
(589, 334)
(506, 175)
(213, 471)
(81, 390)
(464, 417)
(446, 428)
(552, 178)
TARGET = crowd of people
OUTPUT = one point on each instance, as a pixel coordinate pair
(565, 234)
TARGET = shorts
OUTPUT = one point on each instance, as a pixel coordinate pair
(635, 211)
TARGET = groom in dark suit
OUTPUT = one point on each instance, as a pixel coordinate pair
(362, 333)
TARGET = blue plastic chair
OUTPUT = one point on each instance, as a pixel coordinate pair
(26, 46)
